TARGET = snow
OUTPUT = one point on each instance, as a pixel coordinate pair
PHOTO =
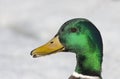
(27, 24)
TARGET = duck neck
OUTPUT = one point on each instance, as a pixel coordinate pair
(89, 63)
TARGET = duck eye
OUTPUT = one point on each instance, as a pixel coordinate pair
(73, 29)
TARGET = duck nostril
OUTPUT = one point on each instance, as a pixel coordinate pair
(51, 42)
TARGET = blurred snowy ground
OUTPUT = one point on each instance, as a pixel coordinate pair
(27, 24)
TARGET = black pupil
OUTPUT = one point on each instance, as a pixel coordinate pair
(73, 29)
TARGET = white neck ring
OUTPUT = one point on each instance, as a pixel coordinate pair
(77, 75)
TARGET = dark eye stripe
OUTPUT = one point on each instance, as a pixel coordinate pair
(73, 29)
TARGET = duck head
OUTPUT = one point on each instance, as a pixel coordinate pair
(81, 37)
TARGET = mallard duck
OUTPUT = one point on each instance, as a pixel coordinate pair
(81, 37)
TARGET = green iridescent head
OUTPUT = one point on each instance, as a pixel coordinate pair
(81, 37)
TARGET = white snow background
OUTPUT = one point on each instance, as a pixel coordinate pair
(27, 24)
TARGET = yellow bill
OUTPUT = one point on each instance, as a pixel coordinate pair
(52, 46)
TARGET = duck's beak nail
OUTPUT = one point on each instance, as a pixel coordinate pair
(31, 52)
(52, 46)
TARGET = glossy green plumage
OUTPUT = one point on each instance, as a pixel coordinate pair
(81, 37)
